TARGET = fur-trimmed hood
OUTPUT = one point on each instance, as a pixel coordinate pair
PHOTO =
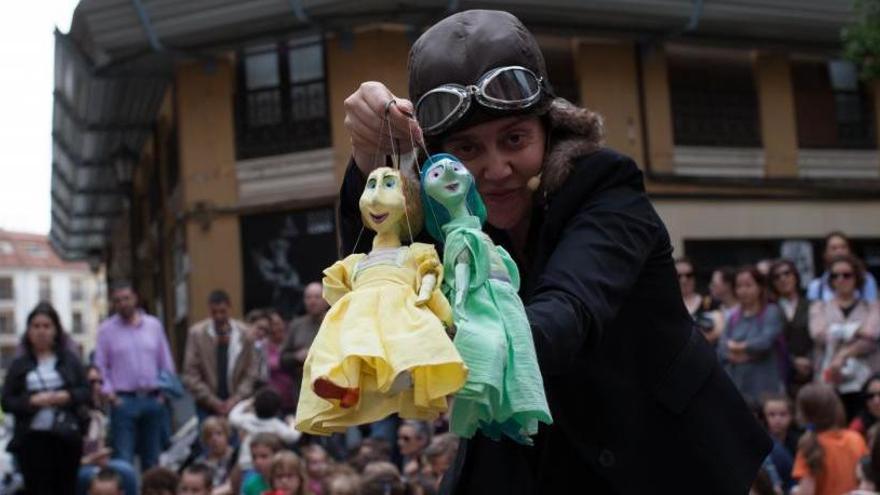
(572, 132)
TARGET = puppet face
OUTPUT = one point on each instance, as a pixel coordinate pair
(382, 203)
(448, 182)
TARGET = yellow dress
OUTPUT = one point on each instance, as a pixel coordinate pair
(373, 332)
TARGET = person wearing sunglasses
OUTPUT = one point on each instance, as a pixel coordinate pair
(634, 388)
(785, 288)
(845, 331)
(701, 308)
(838, 244)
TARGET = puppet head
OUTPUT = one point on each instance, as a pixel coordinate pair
(390, 202)
(446, 186)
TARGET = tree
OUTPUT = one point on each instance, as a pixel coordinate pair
(861, 40)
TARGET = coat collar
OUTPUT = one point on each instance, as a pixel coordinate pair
(573, 132)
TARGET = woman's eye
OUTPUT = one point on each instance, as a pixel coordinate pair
(389, 182)
(435, 174)
(371, 184)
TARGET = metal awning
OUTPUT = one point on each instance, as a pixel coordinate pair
(112, 69)
(95, 119)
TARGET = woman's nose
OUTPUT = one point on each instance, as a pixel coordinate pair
(496, 167)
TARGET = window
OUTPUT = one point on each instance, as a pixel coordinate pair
(45, 293)
(77, 323)
(76, 290)
(281, 106)
(833, 109)
(714, 100)
(7, 323)
(6, 289)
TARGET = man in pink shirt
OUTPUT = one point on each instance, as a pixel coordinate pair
(131, 353)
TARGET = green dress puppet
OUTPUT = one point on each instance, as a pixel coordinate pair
(504, 392)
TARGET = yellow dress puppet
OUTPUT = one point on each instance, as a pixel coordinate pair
(382, 348)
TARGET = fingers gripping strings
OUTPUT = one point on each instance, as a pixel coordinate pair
(395, 151)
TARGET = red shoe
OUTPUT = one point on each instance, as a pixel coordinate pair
(326, 389)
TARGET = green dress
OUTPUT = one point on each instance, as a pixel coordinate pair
(504, 392)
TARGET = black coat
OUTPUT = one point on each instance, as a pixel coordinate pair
(639, 402)
(16, 398)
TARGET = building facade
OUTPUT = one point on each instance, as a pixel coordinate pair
(201, 146)
(31, 272)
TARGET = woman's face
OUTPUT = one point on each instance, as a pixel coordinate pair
(409, 441)
(872, 398)
(502, 155)
(784, 280)
(748, 292)
(843, 278)
(41, 333)
(717, 288)
(685, 278)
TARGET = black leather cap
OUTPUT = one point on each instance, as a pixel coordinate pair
(464, 46)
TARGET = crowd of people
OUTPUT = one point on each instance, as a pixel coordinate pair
(808, 355)
(100, 427)
(808, 362)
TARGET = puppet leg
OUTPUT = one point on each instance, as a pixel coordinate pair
(326, 389)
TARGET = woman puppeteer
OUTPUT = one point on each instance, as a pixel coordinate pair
(639, 403)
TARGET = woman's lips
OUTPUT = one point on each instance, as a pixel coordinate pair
(452, 187)
(378, 218)
(500, 196)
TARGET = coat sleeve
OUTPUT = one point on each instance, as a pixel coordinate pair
(590, 273)
(768, 330)
(16, 399)
(192, 377)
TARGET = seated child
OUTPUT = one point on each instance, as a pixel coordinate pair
(196, 479)
(218, 453)
(106, 482)
(260, 415)
(159, 481)
(263, 446)
(287, 474)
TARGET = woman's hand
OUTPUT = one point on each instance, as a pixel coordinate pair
(41, 399)
(364, 113)
(60, 398)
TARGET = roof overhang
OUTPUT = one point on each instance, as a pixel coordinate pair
(112, 69)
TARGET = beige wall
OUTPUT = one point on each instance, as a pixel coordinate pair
(379, 54)
(207, 165)
(609, 85)
(777, 114)
(761, 219)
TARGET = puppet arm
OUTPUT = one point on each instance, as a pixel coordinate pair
(462, 278)
(429, 280)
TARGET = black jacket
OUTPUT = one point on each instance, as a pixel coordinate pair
(639, 402)
(16, 398)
